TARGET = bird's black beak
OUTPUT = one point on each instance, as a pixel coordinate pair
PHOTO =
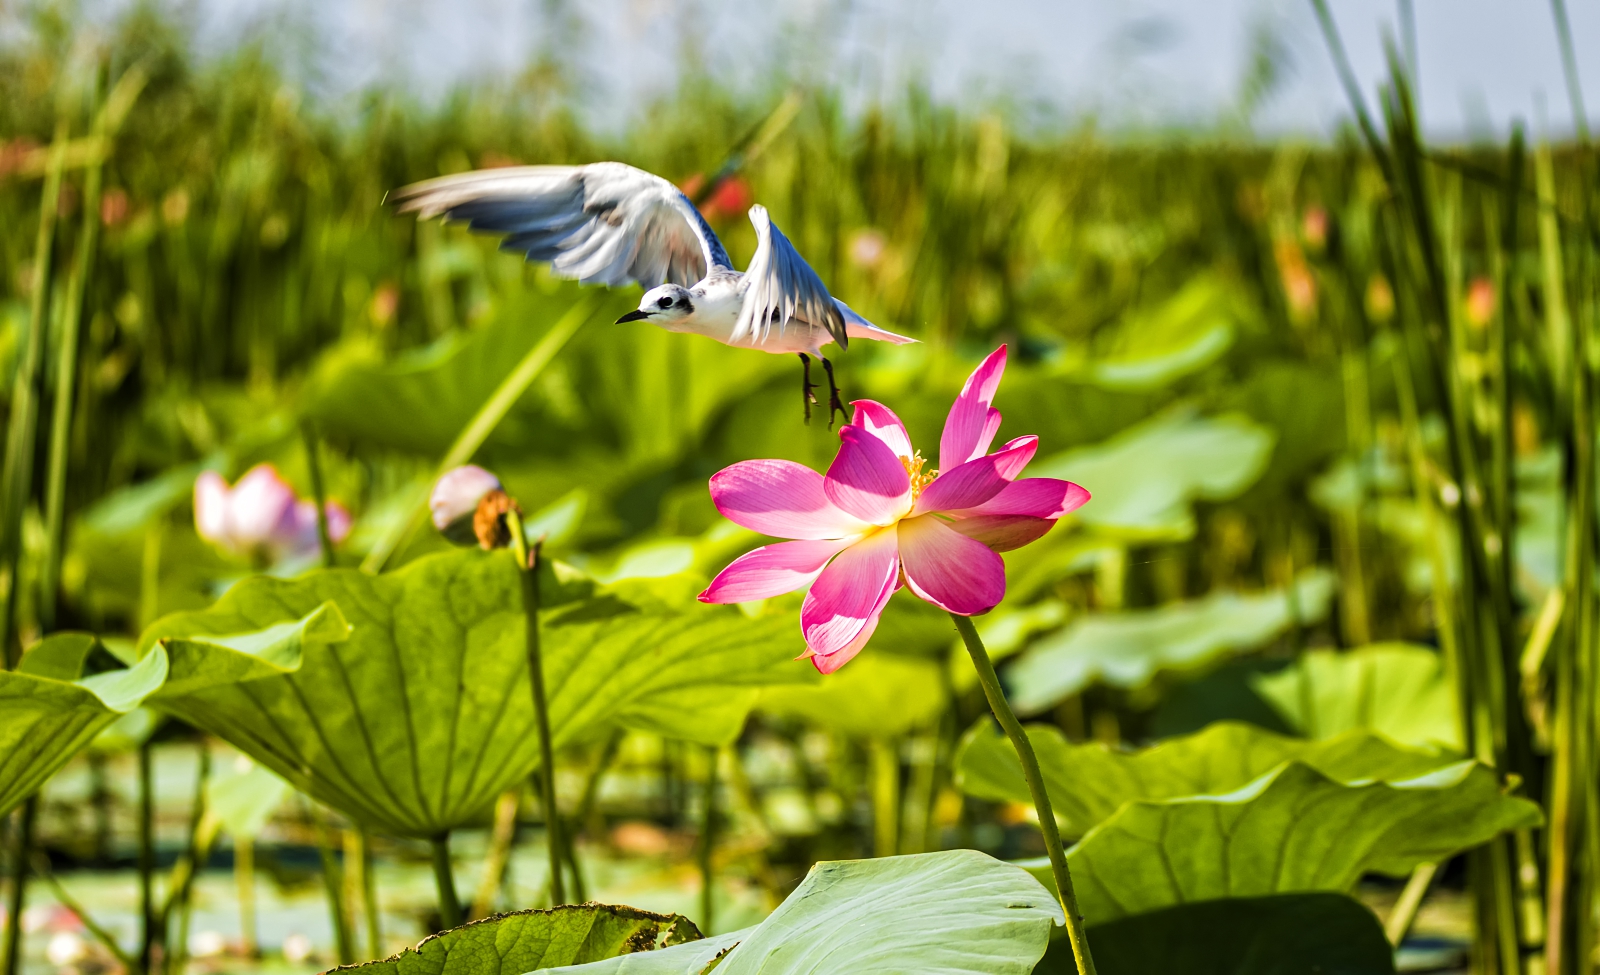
(633, 316)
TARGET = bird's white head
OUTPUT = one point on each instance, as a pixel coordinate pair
(666, 306)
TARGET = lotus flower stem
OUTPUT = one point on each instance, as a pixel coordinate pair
(528, 563)
(1041, 799)
(444, 876)
(23, 842)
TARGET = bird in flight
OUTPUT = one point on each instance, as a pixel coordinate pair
(609, 223)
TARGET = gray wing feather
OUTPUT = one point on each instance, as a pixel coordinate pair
(604, 223)
(782, 287)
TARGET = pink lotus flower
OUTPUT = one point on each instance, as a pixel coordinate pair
(260, 514)
(876, 521)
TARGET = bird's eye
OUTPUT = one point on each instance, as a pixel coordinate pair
(665, 302)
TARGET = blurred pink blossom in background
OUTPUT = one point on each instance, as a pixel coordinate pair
(260, 514)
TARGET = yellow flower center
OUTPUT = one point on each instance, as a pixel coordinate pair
(919, 480)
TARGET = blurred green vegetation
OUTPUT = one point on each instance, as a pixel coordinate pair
(1229, 344)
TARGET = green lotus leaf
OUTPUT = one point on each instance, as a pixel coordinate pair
(1089, 782)
(954, 913)
(1398, 689)
(1284, 934)
(60, 656)
(244, 798)
(1291, 830)
(528, 940)
(879, 695)
(1128, 649)
(48, 713)
(422, 714)
(1145, 479)
(1184, 334)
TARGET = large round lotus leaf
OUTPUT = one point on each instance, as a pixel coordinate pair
(1292, 830)
(423, 714)
(1088, 782)
(48, 713)
(959, 912)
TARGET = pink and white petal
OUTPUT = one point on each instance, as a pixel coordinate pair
(772, 570)
(1002, 533)
(260, 505)
(1034, 497)
(338, 521)
(211, 507)
(976, 481)
(972, 423)
(827, 664)
(780, 498)
(881, 422)
(867, 479)
(948, 569)
(850, 593)
(458, 492)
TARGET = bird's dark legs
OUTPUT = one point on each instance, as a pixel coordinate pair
(806, 386)
(834, 403)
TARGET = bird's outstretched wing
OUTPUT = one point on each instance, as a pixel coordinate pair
(604, 223)
(782, 287)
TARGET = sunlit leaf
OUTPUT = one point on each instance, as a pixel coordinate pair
(48, 713)
(1089, 782)
(1184, 334)
(1291, 830)
(1144, 480)
(423, 714)
(956, 912)
(1397, 689)
(527, 940)
(1127, 649)
(1284, 934)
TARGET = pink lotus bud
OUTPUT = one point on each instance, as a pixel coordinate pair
(458, 494)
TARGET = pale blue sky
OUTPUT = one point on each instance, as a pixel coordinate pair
(1133, 65)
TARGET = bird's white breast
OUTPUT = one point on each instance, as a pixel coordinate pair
(717, 302)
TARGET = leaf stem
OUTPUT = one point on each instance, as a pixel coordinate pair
(319, 494)
(333, 886)
(1041, 799)
(20, 849)
(147, 859)
(444, 877)
(708, 841)
(369, 896)
(528, 563)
